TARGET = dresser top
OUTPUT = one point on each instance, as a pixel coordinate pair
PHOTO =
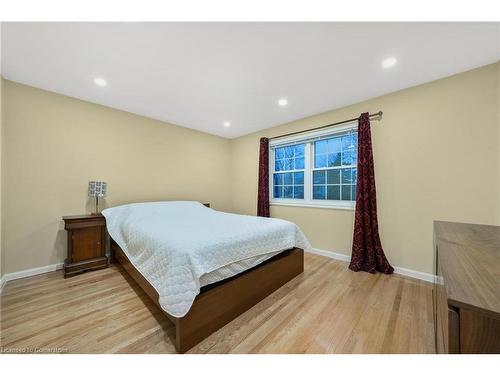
(469, 259)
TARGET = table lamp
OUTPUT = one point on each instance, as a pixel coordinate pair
(97, 189)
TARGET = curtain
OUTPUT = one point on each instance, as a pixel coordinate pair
(263, 195)
(367, 252)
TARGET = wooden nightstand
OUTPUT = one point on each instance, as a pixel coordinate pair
(86, 244)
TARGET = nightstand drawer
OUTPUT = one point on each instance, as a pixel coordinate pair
(88, 242)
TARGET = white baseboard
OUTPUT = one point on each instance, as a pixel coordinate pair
(29, 272)
(415, 274)
(399, 270)
(330, 254)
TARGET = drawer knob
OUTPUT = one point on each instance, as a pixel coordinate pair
(98, 243)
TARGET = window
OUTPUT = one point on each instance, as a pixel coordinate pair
(289, 172)
(316, 170)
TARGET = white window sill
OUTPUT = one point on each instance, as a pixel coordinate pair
(349, 206)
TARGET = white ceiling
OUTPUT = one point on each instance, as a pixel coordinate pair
(199, 75)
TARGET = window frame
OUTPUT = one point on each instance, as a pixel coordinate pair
(293, 171)
(307, 138)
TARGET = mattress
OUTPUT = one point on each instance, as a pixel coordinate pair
(181, 246)
(234, 268)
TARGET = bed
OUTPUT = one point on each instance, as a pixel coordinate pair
(203, 267)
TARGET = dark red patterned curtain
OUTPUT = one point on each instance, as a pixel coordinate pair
(367, 252)
(263, 196)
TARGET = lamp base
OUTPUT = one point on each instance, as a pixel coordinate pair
(96, 206)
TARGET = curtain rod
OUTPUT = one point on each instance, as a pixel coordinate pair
(378, 114)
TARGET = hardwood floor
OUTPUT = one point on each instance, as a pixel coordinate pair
(328, 309)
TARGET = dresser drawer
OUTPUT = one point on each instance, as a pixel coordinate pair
(479, 333)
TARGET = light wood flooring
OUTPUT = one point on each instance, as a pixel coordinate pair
(328, 309)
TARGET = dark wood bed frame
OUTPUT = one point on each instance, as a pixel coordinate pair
(219, 303)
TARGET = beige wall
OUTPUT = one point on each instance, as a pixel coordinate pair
(437, 154)
(2, 263)
(498, 144)
(435, 159)
(55, 144)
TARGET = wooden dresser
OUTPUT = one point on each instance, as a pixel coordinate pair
(86, 244)
(467, 288)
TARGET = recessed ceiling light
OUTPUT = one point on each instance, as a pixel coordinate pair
(100, 82)
(283, 102)
(389, 62)
(227, 124)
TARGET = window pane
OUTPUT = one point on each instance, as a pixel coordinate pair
(349, 142)
(333, 176)
(348, 157)
(288, 164)
(320, 161)
(354, 175)
(289, 151)
(347, 176)
(319, 192)
(346, 192)
(298, 192)
(279, 165)
(299, 150)
(334, 160)
(334, 145)
(321, 147)
(278, 191)
(333, 192)
(354, 157)
(319, 177)
(279, 153)
(278, 179)
(287, 178)
(299, 163)
(298, 178)
(353, 192)
(288, 192)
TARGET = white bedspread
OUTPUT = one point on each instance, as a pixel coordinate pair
(173, 244)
